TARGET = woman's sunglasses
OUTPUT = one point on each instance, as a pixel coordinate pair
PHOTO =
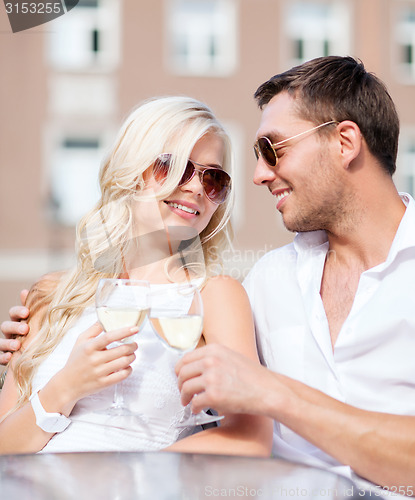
(215, 181)
(268, 151)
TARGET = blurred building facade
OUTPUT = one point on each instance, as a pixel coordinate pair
(66, 87)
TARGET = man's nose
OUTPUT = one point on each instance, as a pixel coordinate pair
(264, 173)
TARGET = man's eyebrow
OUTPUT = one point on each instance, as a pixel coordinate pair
(274, 136)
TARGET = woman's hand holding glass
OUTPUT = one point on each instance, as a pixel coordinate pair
(91, 367)
(121, 303)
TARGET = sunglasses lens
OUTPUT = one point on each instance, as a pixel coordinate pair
(217, 184)
(267, 153)
(188, 173)
(161, 167)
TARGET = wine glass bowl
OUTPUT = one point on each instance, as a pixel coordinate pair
(177, 316)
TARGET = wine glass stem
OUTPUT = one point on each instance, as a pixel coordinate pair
(187, 411)
(118, 396)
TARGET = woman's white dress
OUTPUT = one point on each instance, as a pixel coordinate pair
(150, 391)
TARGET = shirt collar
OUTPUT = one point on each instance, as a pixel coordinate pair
(405, 235)
(309, 240)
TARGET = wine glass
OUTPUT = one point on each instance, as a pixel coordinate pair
(121, 303)
(176, 315)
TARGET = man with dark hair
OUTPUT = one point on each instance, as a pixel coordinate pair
(334, 310)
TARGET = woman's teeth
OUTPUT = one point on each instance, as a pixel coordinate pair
(182, 207)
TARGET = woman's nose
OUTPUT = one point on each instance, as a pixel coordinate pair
(194, 184)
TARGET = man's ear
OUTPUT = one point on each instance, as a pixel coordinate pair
(350, 141)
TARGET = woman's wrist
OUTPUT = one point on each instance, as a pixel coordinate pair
(58, 396)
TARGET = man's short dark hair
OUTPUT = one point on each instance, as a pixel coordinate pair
(339, 88)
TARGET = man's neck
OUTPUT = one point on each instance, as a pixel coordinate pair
(366, 242)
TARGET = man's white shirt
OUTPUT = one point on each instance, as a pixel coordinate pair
(372, 365)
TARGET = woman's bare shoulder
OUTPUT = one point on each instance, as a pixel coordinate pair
(228, 315)
(223, 284)
(223, 290)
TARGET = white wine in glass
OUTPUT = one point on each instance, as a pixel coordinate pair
(113, 318)
(121, 303)
(181, 332)
(176, 315)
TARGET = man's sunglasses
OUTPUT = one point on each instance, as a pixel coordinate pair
(268, 151)
(215, 181)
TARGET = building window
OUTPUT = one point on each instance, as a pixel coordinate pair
(317, 29)
(201, 37)
(74, 172)
(86, 38)
(405, 35)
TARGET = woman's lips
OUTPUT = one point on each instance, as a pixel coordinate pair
(184, 209)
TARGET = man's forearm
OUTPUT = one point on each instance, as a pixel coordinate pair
(377, 446)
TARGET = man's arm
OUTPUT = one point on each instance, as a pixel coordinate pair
(14, 327)
(378, 446)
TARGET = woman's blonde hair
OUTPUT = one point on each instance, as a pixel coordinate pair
(160, 125)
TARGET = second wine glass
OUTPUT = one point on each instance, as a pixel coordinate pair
(176, 315)
(121, 303)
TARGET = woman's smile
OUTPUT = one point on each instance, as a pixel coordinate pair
(183, 208)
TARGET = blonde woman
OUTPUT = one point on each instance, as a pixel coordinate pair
(163, 216)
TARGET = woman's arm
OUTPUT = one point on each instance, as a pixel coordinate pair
(90, 368)
(228, 321)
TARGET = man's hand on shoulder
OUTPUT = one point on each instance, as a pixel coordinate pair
(13, 327)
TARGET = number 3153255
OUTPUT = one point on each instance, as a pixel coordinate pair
(34, 8)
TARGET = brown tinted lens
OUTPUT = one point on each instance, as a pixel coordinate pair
(161, 167)
(267, 152)
(217, 184)
(188, 173)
